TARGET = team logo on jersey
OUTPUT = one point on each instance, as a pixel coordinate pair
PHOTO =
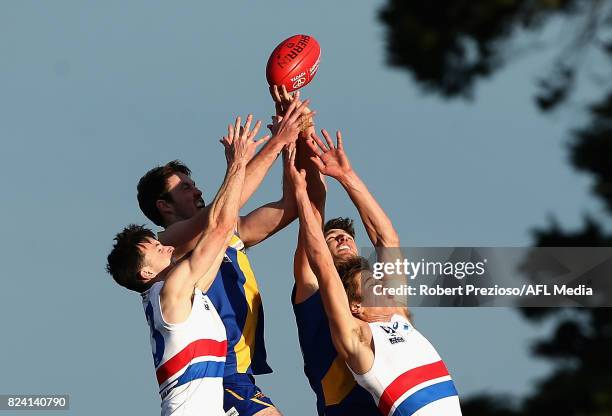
(206, 305)
(405, 327)
(391, 331)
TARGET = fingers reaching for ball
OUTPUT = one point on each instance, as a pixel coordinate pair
(240, 144)
(330, 159)
(292, 122)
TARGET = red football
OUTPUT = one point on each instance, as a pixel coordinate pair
(294, 62)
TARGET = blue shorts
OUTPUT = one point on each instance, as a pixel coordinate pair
(241, 394)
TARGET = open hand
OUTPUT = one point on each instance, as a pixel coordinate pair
(240, 144)
(287, 128)
(282, 100)
(330, 160)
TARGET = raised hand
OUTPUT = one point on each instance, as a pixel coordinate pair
(240, 144)
(286, 130)
(282, 100)
(276, 120)
(330, 160)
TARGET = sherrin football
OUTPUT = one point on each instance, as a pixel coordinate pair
(294, 62)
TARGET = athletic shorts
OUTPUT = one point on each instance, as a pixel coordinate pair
(241, 397)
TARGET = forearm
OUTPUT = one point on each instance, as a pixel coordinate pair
(258, 167)
(198, 268)
(317, 189)
(305, 280)
(266, 221)
(322, 263)
(335, 302)
(378, 225)
(310, 229)
(222, 219)
(226, 204)
(183, 235)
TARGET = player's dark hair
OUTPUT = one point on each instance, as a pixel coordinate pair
(347, 270)
(125, 259)
(153, 186)
(340, 223)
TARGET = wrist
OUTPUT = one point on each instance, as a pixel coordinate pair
(348, 178)
(301, 193)
(237, 165)
(276, 145)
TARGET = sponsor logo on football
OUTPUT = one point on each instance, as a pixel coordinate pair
(232, 412)
(297, 84)
(297, 77)
(299, 80)
(295, 50)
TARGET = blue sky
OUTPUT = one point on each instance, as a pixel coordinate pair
(93, 94)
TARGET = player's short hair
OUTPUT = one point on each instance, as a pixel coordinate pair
(126, 260)
(347, 269)
(340, 223)
(153, 186)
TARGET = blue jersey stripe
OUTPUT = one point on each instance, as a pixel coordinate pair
(229, 299)
(423, 397)
(201, 370)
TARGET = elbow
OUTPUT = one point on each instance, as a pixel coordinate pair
(227, 225)
(346, 342)
(394, 242)
(224, 225)
(391, 240)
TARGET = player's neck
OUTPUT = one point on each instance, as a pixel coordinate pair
(383, 316)
(376, 317)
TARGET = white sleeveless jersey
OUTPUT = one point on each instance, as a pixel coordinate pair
(408, 376)
(189, 357)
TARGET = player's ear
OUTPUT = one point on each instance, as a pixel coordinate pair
(355, 308)
(145, 274)
(164, 207)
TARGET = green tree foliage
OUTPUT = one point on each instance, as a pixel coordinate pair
(448, 46)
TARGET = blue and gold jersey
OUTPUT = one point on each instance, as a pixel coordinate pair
(235, 295)
(337, 391)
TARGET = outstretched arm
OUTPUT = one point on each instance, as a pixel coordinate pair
(272, 217)
(263, 161)
(346, 332)
(332, 161)
(305, 280)
(184, 235)
(201, 267)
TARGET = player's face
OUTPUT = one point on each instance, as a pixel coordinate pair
(156, 256)
(376, 305)
(341, 244)
(186, 197)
